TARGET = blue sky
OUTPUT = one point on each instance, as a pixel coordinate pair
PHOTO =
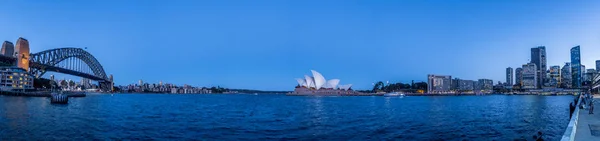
(266, 44)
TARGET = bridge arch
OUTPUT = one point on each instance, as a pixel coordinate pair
(49, 59)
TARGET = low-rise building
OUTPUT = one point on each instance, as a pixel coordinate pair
(15, 79)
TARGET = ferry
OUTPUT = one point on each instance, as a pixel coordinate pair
(394, 94)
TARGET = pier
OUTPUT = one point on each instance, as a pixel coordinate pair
(40, 94)
(584, 126)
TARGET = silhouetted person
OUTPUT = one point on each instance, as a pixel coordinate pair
(592, 107)
(571, 110)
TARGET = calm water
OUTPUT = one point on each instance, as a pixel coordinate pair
(263, 117)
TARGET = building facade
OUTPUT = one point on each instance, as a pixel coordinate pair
(15, 79)
(22, 52)
(597, 65)
(576, 67)
(583, 72)
(529, 76)
(486, 84)
(554, 79)
(565, 76)
(589, 74)
(461, 85)
(538, 57)
(509, 76)
(519, 76)
(439, 83)
(8, 49)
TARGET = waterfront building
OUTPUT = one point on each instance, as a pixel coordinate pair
(538, 57)
(140, 83)
(439, 83)
(509, 76)
(576, 71)
(597, 65)
(462, 85)
(554, 79)
(476, 86)
(8, 49)
(317, 81)
(454, 85)
(22, 51)
(582, 72)
(15, 79)
(466, 85)
(566, 77)
(317, 84)
(519, 76)
(589, 74)
(529, 76)
(486, 84)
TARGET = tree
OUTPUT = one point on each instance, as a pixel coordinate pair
(71, 84)
(63, 83)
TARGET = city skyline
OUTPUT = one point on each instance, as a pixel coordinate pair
(265, 46)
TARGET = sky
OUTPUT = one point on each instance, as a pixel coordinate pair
(266, 44)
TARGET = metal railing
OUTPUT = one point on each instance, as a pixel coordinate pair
(569, 134)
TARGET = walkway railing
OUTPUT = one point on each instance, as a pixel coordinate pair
(569, 134)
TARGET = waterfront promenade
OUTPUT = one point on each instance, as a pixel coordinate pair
(588, 125)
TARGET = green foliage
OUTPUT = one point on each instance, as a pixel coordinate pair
(44, 83)
(381, 87)
(218, 90)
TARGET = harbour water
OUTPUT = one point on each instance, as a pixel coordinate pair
(264, 117)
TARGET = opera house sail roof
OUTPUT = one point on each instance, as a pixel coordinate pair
(318, 81)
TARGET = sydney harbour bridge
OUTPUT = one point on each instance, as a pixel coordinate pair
(71, 61)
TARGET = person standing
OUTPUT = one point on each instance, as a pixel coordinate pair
(592, 106)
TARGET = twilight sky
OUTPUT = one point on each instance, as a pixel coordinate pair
(266, 44)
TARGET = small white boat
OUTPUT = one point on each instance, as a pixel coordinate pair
(393, 94)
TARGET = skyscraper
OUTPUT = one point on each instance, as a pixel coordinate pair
(509, 76)
(582, 72)
(576, 67)
(565, 76)
(597, 65)
(519, 76)
(555, 79)
(529, 76)
(538, 57)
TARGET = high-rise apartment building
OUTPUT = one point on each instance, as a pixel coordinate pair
(576, 71)
(519, 76)
(538, 57)
(509, 76)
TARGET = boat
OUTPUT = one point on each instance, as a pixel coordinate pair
(59, 98)
(394, 94)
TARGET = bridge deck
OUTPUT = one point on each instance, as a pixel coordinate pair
(588, 125)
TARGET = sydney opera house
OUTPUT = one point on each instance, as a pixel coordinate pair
(318, 85)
